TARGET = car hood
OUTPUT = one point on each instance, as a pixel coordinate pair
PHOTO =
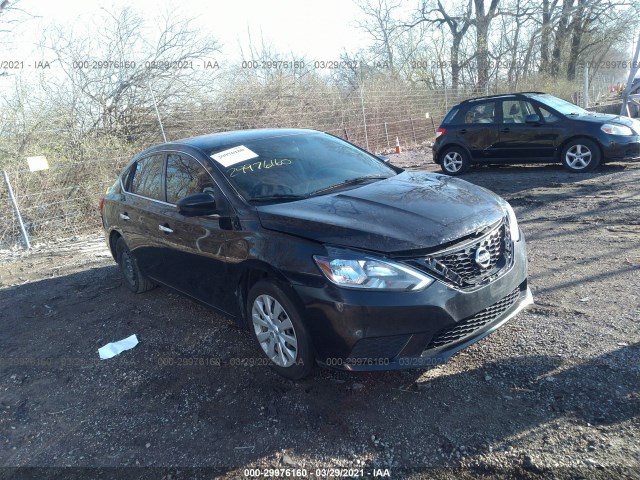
(412, 210)
(608, 118)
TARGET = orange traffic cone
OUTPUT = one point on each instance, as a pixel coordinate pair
(397, 145)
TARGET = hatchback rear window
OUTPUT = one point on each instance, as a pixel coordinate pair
(450, 116)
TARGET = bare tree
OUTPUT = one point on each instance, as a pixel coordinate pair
(517, 41)
(109, 73)
(545, 33)
(383, 28)
(482, 22)
(10, 15)
(457, 23)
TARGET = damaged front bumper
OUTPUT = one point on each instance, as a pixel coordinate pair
(368, 331)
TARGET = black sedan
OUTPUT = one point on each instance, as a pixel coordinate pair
(532, 127)
(326, 253)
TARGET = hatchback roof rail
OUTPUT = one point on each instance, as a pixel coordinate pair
(475, 99)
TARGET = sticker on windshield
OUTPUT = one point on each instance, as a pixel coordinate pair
(234, 155)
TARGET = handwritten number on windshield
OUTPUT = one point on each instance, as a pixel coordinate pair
(256, 166)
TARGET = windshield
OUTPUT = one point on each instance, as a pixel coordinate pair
(562, 106)
(296, 166)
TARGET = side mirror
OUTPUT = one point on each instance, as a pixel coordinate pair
(197, 205)
(384, 158)
(532, 118)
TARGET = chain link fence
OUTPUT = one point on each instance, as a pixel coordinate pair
(63, 200)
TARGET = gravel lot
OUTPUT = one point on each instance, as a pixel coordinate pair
(555, 392)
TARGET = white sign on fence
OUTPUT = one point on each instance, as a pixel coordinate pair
(38, 163)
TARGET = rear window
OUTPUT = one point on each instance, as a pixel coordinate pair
(450, 116)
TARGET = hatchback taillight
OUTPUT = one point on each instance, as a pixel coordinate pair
(440, 132)
(101, 202)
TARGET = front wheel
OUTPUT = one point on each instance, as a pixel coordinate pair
(455, 161)
(278, 330)
(581, 155)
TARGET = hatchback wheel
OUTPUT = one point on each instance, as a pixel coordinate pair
(134, 279)
(455, 161)
(280, 334)
(581, 155)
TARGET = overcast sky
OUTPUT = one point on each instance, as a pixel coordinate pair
(319, 30)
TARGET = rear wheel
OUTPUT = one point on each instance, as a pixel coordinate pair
(277, 327)
(455, 161)
(133, 278)
(581, 155)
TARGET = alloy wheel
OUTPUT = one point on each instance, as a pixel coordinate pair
(578, 157)
(452, 161)
(274, 331)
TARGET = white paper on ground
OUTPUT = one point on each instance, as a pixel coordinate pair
(113, 349)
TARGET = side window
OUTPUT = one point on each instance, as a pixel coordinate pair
(548, 116)
(147, 177)
(516, 111)
(481, 113)
(185, 176)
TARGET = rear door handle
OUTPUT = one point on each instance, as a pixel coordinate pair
(505, 130)
(164, 229)
(464, 130)
(124, 216)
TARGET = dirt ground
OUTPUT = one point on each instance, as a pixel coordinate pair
(553, 393)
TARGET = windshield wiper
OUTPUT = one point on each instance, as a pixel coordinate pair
(274, 198)
(351, 181)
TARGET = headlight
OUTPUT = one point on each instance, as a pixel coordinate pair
(353, 270)
(613, 129)
(513, 221)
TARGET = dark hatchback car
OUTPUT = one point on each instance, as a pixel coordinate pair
(532, 127)
(322, 250)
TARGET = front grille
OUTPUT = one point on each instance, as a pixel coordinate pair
(462, 266)
(472, 324)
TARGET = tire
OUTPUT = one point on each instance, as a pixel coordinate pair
(133, 278)
(581, 155)
(455, 161)
(277, 328)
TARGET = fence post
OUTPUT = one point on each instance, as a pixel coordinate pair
(364, 118)
(585, 86)
(386, 134)
(446, 99)
(16, 210)
(415, 140)
(632, 73)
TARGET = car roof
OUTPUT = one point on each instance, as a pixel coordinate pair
(213, 141)
(503, 95)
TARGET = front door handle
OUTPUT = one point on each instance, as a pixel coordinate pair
(124, 216)
(165, 229)
(506, 130)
